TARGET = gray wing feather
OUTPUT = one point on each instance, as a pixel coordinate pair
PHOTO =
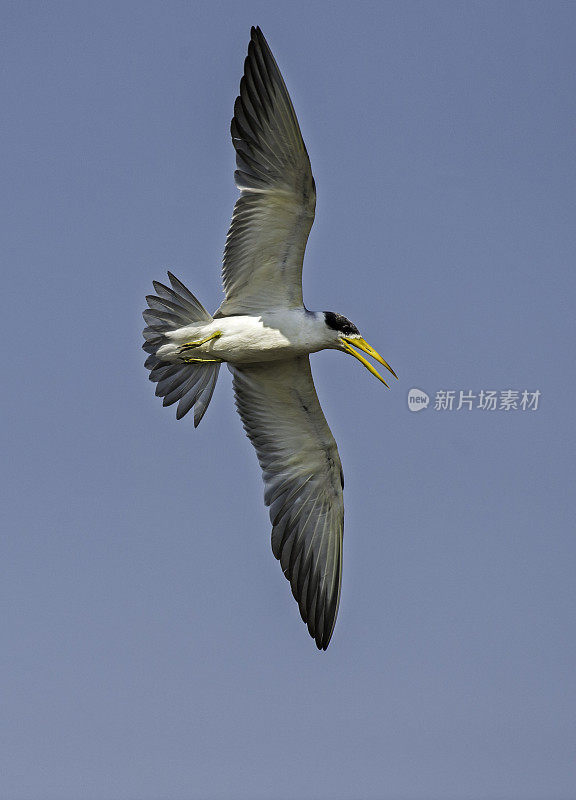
(262, 265)
(303, 483)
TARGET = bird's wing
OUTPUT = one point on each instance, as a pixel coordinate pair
(262, 265)
(303, 482)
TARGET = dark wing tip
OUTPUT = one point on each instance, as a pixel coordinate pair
(318, 609)
(323, 634)
(270, 152)
(322, 637)
(258, 37)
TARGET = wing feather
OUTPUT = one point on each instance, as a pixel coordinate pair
(303, 478)
(262, 265)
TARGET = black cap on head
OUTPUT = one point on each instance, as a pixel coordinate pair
(339, 323)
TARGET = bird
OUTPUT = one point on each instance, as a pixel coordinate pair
(264, 334)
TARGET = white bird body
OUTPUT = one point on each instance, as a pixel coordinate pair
(264, 333)
(270, 336)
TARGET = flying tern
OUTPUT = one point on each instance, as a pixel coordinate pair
(265, 334)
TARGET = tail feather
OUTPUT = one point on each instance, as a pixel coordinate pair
(191, 385)
(182, 297)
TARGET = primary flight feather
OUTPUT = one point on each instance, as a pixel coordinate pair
(264, 333)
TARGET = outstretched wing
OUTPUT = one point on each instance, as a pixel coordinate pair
(303, 482)
(262, 266)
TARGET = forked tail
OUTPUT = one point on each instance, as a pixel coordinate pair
(191, 385)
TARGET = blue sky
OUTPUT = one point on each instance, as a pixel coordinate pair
(151, 645)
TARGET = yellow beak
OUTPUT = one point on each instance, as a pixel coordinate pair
(362, 344)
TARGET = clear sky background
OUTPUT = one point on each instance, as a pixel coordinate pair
(151, 646)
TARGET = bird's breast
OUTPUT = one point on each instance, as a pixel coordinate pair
(269, 337)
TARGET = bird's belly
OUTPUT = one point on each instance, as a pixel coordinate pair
(243, 339)
(264, 344)
(271, 337)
